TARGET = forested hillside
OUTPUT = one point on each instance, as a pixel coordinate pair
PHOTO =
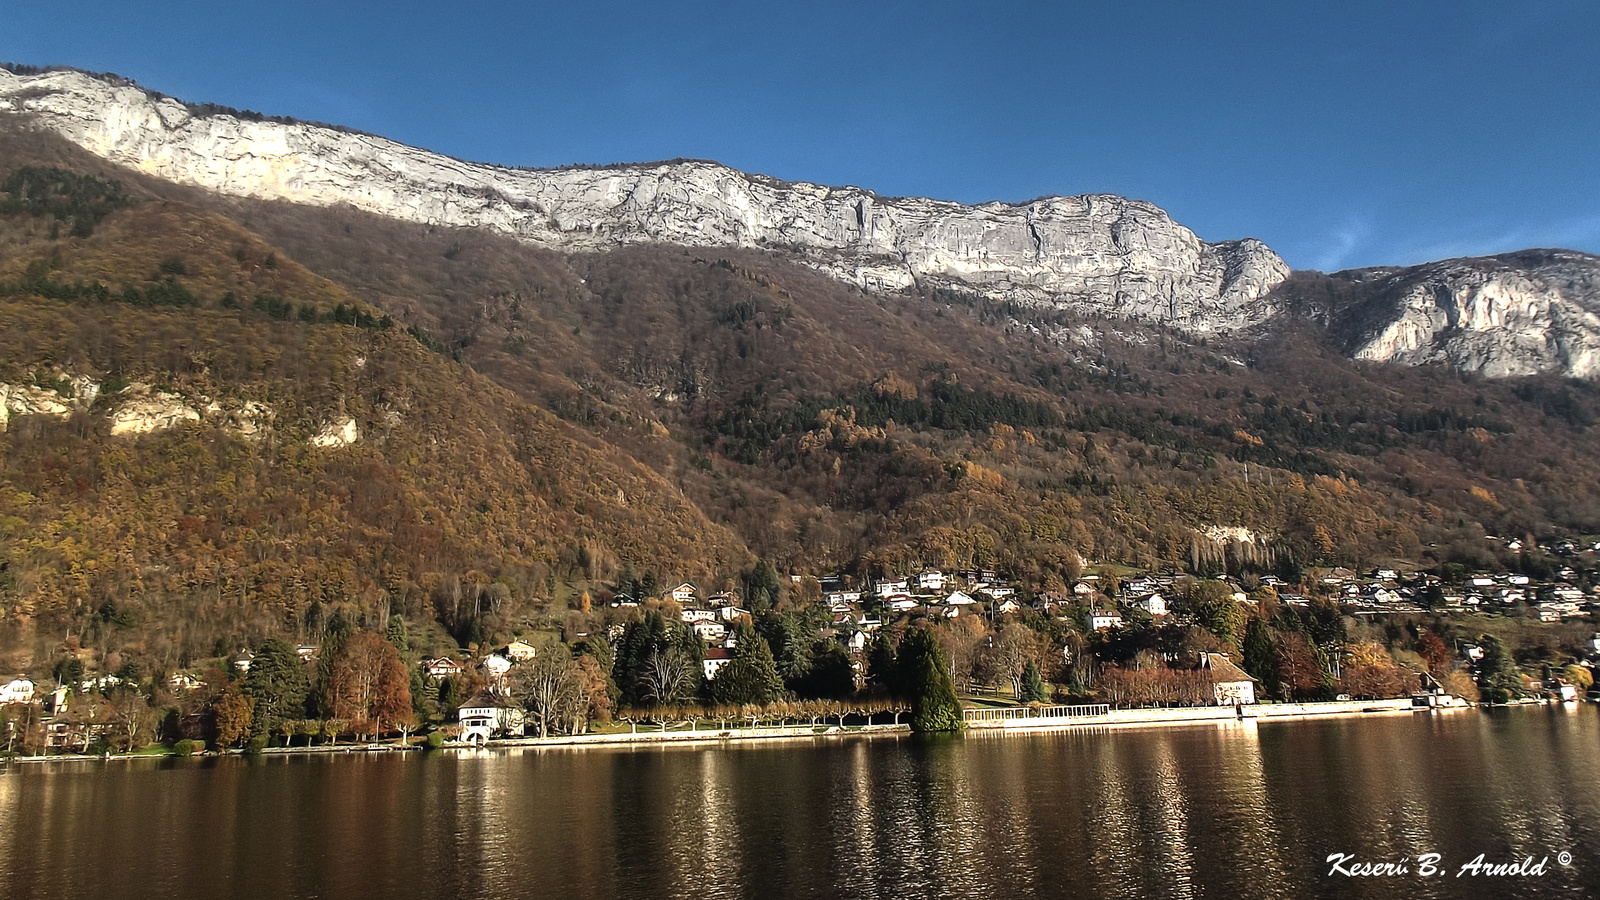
(186, 480)
(531, 425)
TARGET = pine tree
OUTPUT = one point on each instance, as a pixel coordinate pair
(277, 683)
(934, 706)
(396, 633)
(751, 676)
(883, 678)
(1498, 678)
(1259, 658)
(1032, 684)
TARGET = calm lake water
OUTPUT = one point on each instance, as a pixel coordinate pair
(1194, 811)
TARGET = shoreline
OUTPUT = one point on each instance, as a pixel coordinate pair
(1117, 718)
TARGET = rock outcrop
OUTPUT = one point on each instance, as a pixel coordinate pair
(137, 408)
(144, 409)
(31, 400)
(341, 433)
(1525, 313)
(1097, 253)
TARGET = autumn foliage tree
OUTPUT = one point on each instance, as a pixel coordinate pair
(231, 715)
(370, 685)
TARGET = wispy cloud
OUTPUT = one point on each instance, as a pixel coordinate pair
(1337, 245)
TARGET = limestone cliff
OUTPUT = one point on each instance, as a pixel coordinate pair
(1097, 253)
(1537, 311)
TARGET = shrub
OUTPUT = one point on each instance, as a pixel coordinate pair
(435, 740)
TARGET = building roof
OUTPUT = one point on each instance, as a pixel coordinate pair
(1222, 669)
(489, 699)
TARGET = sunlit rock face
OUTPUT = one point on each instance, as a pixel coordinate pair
(1525, 313)
(334, 435)
(1097, 253)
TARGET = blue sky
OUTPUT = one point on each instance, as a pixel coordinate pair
(1342, 134)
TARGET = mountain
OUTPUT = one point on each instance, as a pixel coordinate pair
(1537, 311)
(229, 415)
(1095, 253)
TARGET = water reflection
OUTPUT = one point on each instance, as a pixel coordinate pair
(1196, 811)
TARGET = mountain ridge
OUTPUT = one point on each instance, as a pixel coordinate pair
(1097, 251)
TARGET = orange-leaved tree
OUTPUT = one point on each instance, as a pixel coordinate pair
(370, 684)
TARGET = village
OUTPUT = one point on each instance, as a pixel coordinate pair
(1111, 641)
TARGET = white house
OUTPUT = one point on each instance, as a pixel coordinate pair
(709, 631)
(698, 615)
(842, 596)
(518, 651)
(732, 613)
(716, 658)
(1099, 619)
(901, 603)
(683, 593)
(890, 588)
(1155, 604)
(931, 581)
(1230, 685)
(182, 682)
(18, 690)
(957, 598)
(1008, 605)
(488, 713)
(494, 667)
(441, 668)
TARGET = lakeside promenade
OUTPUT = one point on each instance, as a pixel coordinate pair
(979, 722)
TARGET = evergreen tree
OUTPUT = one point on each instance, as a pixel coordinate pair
(396, 633)
(1032, 684)
(831, 676)
(934, 706)
(751, 676)
(883, 671)
(277, 683)
(762, 588)
(1259, 658)
(338, 632)
(1498, 678)
(1215, 609)
(784, 634)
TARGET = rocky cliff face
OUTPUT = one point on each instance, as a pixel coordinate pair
(1097, 253)
(1525, 313)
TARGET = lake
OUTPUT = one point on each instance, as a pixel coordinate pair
(1213, 810)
